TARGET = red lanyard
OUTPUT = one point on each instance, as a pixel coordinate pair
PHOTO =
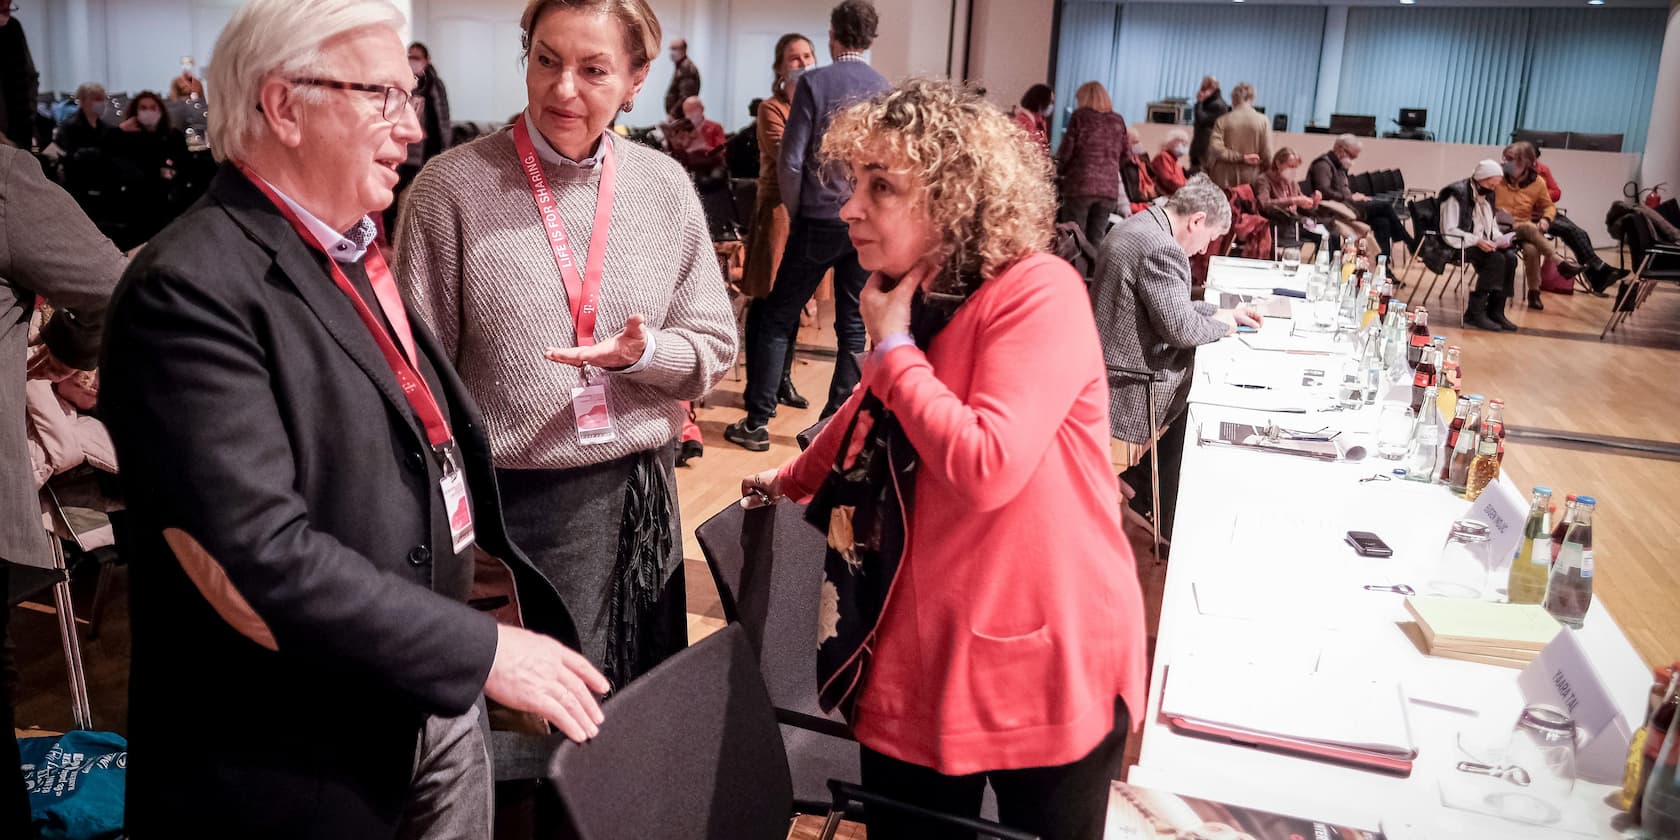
(390, 301)
(583, 293)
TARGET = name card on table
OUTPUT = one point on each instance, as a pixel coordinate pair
(1564, 677)
(1504, 509)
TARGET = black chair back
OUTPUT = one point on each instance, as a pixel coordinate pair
(768, 567)
(810, 433)
(1360, 183)
(746, 199)
(689, 751)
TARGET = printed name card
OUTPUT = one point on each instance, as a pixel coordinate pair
(1504, 509)
(1562, 676)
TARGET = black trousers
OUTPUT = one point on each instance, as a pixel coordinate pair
(1496, 271)
(1090, 212)
(814, 246)
(1068, 802)
(1385, 224)
(1171, 448)
(1578, 241)
(14, 800)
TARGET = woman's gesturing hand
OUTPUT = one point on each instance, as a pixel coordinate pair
(620, 351)
(888, 312)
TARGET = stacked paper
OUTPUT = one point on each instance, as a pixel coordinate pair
(1482, 631)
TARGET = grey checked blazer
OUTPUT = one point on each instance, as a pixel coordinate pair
(1141, 296)
(48, 248)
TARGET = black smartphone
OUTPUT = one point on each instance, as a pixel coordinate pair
(1367, 544)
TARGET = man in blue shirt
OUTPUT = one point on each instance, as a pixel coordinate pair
(817, 240)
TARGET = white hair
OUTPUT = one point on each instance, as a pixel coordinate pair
(268, 38)
(1349, 142)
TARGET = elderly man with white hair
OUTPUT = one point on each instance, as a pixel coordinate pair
(1328, 175)
(323, 589)
(1151, 328)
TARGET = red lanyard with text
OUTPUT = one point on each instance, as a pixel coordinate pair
(583, 291)
(390, 301)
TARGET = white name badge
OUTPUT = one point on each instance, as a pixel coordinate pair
(594, 418)
(1563, 676)
(1505, 511)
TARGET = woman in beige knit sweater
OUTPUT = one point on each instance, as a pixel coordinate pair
(506, 253)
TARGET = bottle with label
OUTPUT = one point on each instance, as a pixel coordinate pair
(1425, 450)
(1450, 379)
(1423, 382)
(1484, 467)
(1464, 449)
(1569, 593)
(1373, 304)
(1659, 807)
(1493, 414)
(1418, 338)
(1665, 683)
(1563, 526)
(1532, 565)
(1371, 362)
(1456, 426)
(1394, 340)
(1348, 258)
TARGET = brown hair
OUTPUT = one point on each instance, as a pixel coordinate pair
(1094, 96)
(163, 125)
(642, 34)
(1282, 156)
(1242, 94)
(782, 44)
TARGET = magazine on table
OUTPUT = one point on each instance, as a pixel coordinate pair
(1138, 813)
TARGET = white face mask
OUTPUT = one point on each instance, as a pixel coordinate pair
(1137, 149)
(1179, 150)
(149, 119)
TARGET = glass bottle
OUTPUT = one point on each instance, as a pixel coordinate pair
(1659, 811)
(1423, 381)
(1570, 591)
(1425, 450)
(1373, 303)
(1450, 379)
(1418, 338)
(1484, 467)
(1532, 565)
(1454, 428)
(1648, 739)
(1394, 339)
(1347, 261)
(1494, 415)
(1464, 449)
(1371, 362)
(1563, 526)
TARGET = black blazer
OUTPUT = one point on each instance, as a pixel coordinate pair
(282, 693)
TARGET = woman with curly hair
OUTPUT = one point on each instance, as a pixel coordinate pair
(982, 618)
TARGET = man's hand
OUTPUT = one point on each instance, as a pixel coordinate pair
(1360, 197)
(44, 365)
(620, 351)
(534, 673)
(1247, 317)
(1251, 159)
(1487, 245)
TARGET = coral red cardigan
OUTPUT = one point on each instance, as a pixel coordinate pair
(1016, 617)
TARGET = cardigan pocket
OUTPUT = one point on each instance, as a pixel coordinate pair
(1009, 678)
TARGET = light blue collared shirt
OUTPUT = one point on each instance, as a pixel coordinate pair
(548, 155)
(347, 247)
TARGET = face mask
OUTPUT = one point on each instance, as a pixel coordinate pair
(1510, 169)
(1179, 149)
(1137, 149)
(149, 119)
(418, 66)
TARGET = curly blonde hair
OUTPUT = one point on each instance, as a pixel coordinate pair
(984, 183)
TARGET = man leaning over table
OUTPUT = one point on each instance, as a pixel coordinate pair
(1151, 328)
(312, 497)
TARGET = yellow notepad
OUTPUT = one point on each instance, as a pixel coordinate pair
(1460, 624)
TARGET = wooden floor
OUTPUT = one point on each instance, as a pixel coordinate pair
(1555, 375)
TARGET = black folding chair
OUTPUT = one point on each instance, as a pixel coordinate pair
(1657, 262)
(1426, 217)
(810, 433)
(690, 751)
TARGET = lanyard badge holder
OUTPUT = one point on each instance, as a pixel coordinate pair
(590, 406)
(455, 504)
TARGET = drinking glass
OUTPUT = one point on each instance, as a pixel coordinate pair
(1394, 430)
(1291, 260)
(1461, 571)
(1543, 745)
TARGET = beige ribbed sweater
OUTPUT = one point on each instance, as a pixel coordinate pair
(473, 258)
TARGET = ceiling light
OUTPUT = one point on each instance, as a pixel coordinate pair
(1595, 2)
(1408, 2)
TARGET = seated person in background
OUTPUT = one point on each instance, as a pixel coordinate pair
(696, 142)
(150, 149)
(1241, 142)
(1552, 188)
(985, 392)
(1134, 174)
(84, 129)
(1523, 194)
(1165, 166)
(1150, 328)
(1329, 178)
(1468, 223)
(1281, 200)
(187, 85)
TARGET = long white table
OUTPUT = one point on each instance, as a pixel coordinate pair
(1273, 524)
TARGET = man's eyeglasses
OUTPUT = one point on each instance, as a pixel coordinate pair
(395, 97)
